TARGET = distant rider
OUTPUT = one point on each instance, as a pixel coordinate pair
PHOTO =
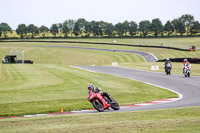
(98, 90)
(186, 64)
(168, 63)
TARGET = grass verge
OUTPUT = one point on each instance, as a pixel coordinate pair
(181, 120)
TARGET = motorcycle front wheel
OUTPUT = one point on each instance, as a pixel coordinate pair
(98, 105)
(188, 74)
(115, 105)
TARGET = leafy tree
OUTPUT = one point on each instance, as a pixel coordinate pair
(168, 28)
(144, 27)
(188, 21)
(33, 30)
(60, 28)
(4, 29)
(79, 27)
(195, 28)
(178, 26)
(71, 24)
(88, 28)
(120, 29)
(96, 28)
(76, 29)
(133, 28)
(156, 26)
(175, 26)
(109, 28)
(21, 30)
(43, 30)
(125, 27)
(0, 30)
(65, 28)
(103, 26)
(54, 29)
(181, 27)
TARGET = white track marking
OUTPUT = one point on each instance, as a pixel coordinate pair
(82, 68)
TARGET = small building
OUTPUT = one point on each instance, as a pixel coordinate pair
(14, 57)
(9, 59)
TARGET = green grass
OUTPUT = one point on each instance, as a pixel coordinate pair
(181, 120)
(31, 89)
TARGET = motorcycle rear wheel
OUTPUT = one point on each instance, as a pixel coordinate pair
(98, 105)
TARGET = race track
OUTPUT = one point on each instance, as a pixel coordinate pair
(187, 88)
(146, 56)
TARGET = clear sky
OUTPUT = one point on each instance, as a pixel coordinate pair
(48, 12)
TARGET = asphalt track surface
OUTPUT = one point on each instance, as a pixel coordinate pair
(187, 88)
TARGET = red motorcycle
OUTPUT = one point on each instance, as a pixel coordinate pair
(101, 103)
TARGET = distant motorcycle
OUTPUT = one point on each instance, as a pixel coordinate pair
(168, 68)
(187, 71)
(101, 103)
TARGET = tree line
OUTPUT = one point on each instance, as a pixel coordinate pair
(185, 24)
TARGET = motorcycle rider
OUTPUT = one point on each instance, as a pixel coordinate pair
(168, 63)
(186, 63)
(98, 90)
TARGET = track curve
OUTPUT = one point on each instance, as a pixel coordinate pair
(147, 56)
(188, 87)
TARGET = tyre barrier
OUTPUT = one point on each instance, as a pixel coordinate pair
(191, 60)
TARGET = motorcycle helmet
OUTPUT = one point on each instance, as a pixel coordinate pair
(90, 86)
(97, 89)
(167, 59)
(185, 60)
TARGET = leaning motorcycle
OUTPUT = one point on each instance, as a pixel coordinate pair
(101, 103)
(187, 71)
